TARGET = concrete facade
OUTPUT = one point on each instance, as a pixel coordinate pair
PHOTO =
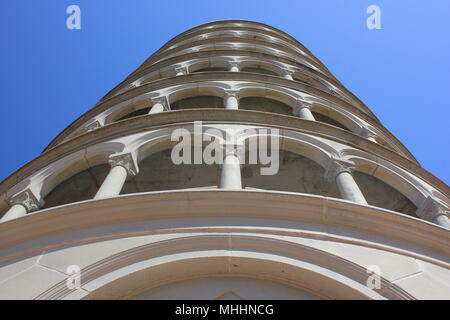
(106, 199)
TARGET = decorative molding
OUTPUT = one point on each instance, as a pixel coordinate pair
(126, 161)
(27, 199)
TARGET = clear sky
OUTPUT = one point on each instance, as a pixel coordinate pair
(51, 75)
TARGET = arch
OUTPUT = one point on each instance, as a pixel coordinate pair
(239, 46)
(126, 109)
(214, 89)
(125, 274)
(198, 102)
(333, 117)
(408, 186)
(244, 34)
(283, 96)
(86, 165)
(160, 140)
(265, 105)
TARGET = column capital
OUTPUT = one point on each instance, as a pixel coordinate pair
(26, 199)
(125, 160)
(367, 133)
(92, 126)
(303, 104)
(336, 167)
(232, 93)
(300, 105)
(182, 70)
(230, 148)
(161, 100)
(431, 208)
(234, 64)
(287, 72)
(334, 92)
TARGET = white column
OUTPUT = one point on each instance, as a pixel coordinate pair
(230, 175)
(16, 211)
(21, 204)
(234, 67)
(287, 74)
(159, 105)
(122, 166)
(434, 211)
(340, 171)
(232, 99)
(302, 110)
(180, 71)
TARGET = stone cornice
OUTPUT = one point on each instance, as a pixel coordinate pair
(371, 226)
(218, 76)
(181, 117)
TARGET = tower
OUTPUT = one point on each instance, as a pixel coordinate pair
(311, 197)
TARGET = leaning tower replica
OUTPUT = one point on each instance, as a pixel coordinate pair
(308, 196)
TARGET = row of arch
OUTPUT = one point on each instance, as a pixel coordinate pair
(239, 64)
(250, 96)
(304, 160)
(233, 44)
(251, 35)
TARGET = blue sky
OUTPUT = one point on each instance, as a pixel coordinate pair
(51, 75)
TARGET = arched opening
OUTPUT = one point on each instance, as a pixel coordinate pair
(151, 79)
(134, 114)
(380, 194)
(159, 172)
(197, 102)
(226, 288)
(81, 186)
(258, 70)
(264, 104)
(323, 118)
(296, 174)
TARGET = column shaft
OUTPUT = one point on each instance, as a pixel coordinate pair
(349, 189)
(113, 183)
(306, 114)
(443, 221)
(232, 102)
(234, 68)
(157, 108)
(230, 176)
(16, 211)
